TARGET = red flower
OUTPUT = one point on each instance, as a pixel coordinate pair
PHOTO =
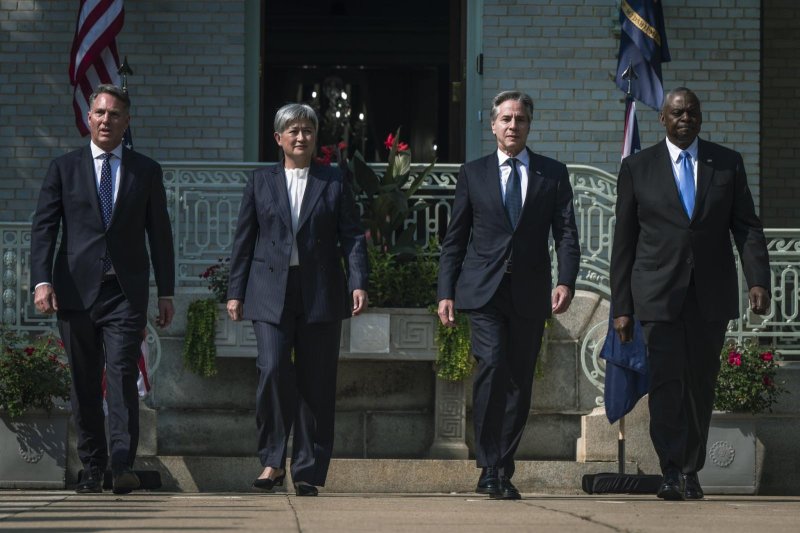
(324, 160)
(29, 350)
(768, 382)
(342, 146)
(401, 147)
(735, 359)
(327, 150)
(766, 356)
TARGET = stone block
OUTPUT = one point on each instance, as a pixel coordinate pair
(398, 435)
(572, 324)
(349, 431)
(385, 385)
(549, 437)
(556, 389)
(598, 439)
(233, 387)
(206, 432)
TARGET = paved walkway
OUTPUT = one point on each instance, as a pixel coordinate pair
(64, 511)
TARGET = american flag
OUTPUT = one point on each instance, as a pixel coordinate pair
(630, 137)
(94, 59)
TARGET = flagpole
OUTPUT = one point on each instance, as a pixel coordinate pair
(123, 71)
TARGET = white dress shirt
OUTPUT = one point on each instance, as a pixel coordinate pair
(523, 165)
(675, 153)
(296, 180)
(115, 162)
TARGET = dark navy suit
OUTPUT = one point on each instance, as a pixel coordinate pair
(298, 308)
(677, 274)
(507, 311)
(101, 322)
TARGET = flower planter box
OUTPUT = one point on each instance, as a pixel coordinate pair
(730, 466)
(33, 450)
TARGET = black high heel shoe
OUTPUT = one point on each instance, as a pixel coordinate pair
(267, 483)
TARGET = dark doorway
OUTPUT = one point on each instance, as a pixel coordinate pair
(368, 68)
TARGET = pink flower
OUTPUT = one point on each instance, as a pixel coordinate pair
(766, 356)
(735, 359)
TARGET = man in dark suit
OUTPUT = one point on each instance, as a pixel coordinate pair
(298, 268)
(109, 203)
(495, 265)
(672, 265)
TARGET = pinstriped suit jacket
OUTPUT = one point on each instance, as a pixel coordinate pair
(329, 230)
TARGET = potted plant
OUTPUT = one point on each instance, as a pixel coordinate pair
(34, 386)
(200, 350)
(746, 386)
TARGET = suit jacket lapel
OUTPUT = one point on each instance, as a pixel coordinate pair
(276, 181)
(535, 179)
(125, 184)
(705, 171)
(312, 193)
(87, 173)
(494, 187)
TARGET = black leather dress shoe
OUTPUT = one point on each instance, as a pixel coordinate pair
(304, 489)
(489, 482)
(267, 483)
(671, 488)
(124, 480)
(91, 482)
(507, 491)
(691, 487)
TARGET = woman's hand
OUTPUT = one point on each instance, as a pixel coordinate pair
(235, 310)
(359, 301)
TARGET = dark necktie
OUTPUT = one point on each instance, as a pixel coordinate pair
(686, 182)
(513, 194)
(106, 194)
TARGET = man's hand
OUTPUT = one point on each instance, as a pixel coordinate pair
(45, 299)
(759, 300)
(360, 301)
(166, 312)
(624, 328)
(235, 310)
(561, 298)
(447, 313)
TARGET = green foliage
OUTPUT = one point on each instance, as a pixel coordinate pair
(746, 381)
(402, 280)
(199, 350)
(33, 373)
(217, 277)
(454, 360)
(387, 199)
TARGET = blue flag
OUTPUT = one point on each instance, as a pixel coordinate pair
(643, 46)
(626, 371)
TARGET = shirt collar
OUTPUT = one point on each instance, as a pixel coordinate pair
(522, 157)
(675, 152)
(97, 151)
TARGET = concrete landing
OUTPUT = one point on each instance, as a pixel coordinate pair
(235, 474)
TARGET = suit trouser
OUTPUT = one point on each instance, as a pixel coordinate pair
(505, 346)
(683, 361)
(108, 334)
(299, 393)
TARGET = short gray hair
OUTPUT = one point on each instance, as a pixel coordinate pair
(292, 113)
(519, 96)
(674, 92)
(113, 90)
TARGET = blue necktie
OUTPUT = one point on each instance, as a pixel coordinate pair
(686, 181)
(106, 195)
(513, 194)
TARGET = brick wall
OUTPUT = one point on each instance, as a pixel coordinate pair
(780, 115)
(187, 90)
(564, 55)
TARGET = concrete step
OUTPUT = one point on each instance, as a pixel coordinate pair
(235, 474)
